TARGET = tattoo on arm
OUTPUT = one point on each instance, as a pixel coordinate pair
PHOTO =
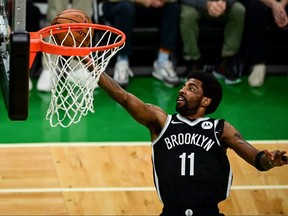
(238, 135)
(240, 138)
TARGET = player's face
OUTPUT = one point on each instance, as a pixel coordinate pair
(189, 97)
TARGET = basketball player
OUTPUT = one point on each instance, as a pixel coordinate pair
(191, 170)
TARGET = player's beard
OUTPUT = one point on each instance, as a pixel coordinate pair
(186, 109)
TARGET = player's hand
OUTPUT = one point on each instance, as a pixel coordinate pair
(87, 61)
(277, 157)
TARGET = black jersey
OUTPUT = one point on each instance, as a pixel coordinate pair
(191, 169)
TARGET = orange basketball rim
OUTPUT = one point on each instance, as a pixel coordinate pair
(38, 44)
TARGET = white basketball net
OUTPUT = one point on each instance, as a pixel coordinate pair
(72, 83)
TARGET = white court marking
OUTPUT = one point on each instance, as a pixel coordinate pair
(121, 189)
(85, 144)
(117, 189)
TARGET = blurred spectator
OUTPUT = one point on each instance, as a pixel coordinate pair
(165, 14)
(55, 7)
(260, 15)
(231, 13)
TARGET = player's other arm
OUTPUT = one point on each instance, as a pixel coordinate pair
(148, 115)
(262, 160)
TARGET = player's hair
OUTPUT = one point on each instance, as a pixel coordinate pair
(211, 88)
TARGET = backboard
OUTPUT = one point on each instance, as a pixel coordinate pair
(14, 59)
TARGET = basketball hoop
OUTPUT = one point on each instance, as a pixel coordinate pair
(72, 83)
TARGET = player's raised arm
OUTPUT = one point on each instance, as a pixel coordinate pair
(148, 115)
(262, 160)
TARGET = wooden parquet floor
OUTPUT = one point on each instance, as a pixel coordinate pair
(116, 179)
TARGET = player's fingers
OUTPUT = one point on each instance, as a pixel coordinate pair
(284, 158)
(275, 154)
(279, 158)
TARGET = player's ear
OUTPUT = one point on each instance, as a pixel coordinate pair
(206, 101)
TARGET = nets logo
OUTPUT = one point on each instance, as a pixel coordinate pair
(206, 125)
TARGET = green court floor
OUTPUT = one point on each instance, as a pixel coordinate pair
(259, 114)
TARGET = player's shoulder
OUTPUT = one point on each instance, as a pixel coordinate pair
(215, 120)
(227, 124)
(219, 123)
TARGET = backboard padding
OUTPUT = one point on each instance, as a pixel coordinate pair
(19, 75)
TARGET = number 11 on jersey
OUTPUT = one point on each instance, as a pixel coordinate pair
(184, 159)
